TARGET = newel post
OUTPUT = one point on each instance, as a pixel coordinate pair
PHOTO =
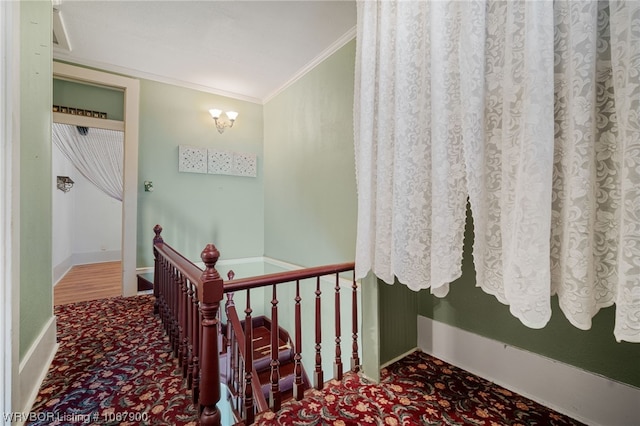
(156, 268)
(210, 292)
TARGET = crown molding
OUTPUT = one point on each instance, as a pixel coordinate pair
(61, 55)
(337, 45)
(130, 72)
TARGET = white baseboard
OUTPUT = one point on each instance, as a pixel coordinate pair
(145, 270)
(35, 364)
(240, 260)
(96, 257)
(398, 358)
(61, 269)
(582, 395)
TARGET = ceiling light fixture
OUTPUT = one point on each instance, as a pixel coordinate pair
(222, 124)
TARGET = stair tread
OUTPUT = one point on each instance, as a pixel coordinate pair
(261, 339)
(286, 369)
(262, 347)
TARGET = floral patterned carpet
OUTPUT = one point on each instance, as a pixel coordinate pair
(114, 367)
(417, 390)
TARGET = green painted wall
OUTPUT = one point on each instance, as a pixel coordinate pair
(302, 209)
(310, 189)
(197, 209)
(89, 97)
(193, 209)
(398, 310)
(469, 308)
(36, 298)
(310, 194)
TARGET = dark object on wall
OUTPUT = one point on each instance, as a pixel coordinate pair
(64, 183)
(78, 111)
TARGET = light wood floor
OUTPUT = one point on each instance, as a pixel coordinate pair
(89, 282)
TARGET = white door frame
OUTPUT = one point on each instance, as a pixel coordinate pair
(9, 203)
(131, 88)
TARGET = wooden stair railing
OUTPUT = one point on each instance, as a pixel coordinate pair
(252, 400)
(297, 276)
(187, 299)
(233, 364)
(188, 303)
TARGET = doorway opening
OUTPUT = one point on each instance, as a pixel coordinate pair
(129, 125)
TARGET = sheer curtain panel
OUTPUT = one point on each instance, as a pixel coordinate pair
(531, 111)
(98, 155)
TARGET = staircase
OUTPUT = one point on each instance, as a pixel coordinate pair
(261, 351)
(145, 281)
(189, 304)
(262, 359)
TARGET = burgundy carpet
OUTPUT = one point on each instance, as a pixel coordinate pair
(114, 367)
(417, 390)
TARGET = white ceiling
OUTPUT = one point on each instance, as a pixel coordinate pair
(248, 50)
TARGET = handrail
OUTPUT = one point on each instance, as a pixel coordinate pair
(188, 302)
(191, 318)
(285, 277)
(190, 270)
(232, 317)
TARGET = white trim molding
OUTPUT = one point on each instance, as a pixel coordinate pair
(131, 89)
(9, 204)
(79, 120)
(580, 394)
(398, 358)
(35, 364)
(337, 45)
(62, 268)
(60, 55)
(96, 257)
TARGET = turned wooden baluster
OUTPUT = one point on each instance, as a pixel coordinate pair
(164, 309)
(232, 365)
(248, 362)
(195, 339)
(210, 298)
(159, 281)
(175, 311)
(169, 300)
(157, 239)
(190, 331)
(164, 294)
(238, 378)
(298, 390)
(355, 359)
(274, 395)
(178, 279)
(184, 322)
(178, 312)
(318, 374)
(337, 365)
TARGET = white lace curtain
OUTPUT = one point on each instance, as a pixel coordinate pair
(97, 154)
(529, 109)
